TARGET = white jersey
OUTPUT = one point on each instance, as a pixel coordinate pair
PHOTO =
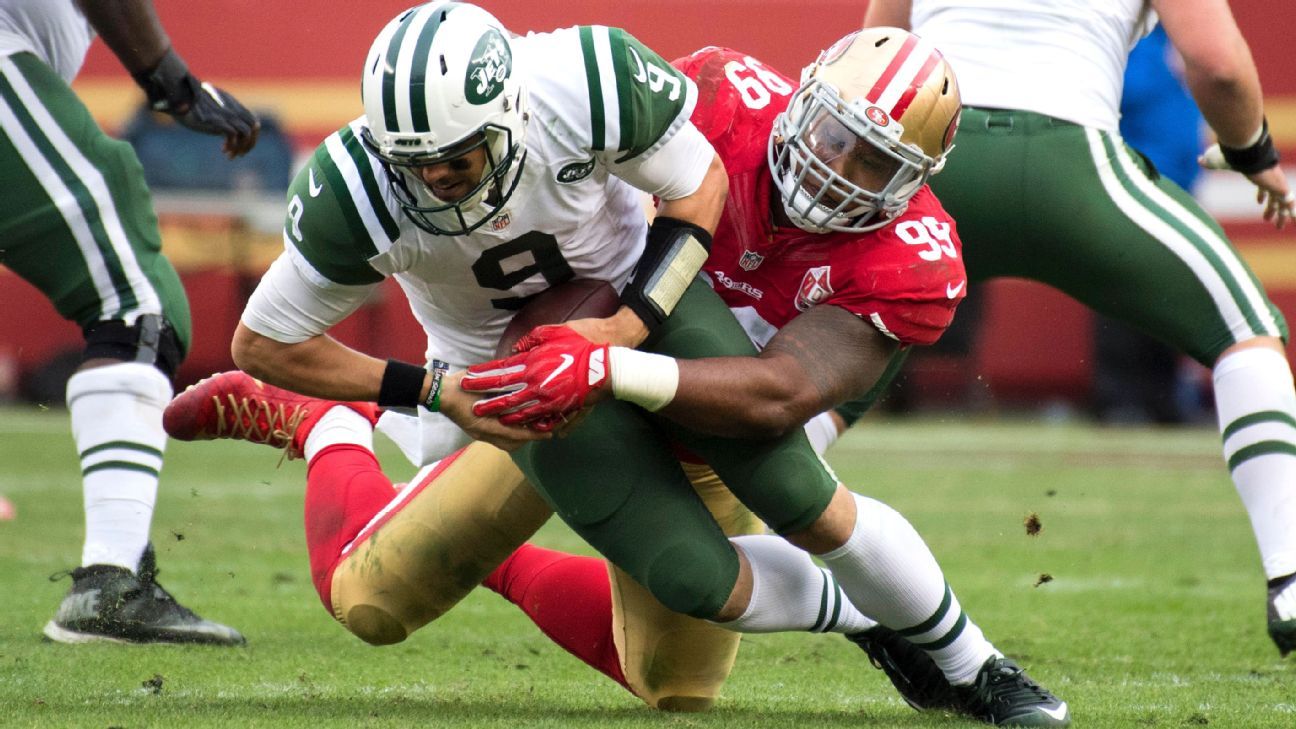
(1062, 58)
(594, 120)
(53, 30)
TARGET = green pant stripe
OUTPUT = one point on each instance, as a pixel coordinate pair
(1265, 416)
(1204, 251)
(949, 637)
(119, 466)
(122, 444)
(1263, 448)
(101, 237)
(934, 620)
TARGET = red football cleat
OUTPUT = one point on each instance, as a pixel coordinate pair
(239, 406)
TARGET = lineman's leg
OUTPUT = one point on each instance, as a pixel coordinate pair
(385, 562)
(673, 661)
(78, 224)
(1147, 254)
(884, 567)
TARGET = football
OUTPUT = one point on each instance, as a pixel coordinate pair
(576, 299)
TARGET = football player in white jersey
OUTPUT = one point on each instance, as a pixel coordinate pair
(487, 169)
(76, 221)
(1041, 87)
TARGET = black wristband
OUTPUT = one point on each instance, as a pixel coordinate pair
(402, 385)
(167, 85)
(673, 254)
(1257, 158)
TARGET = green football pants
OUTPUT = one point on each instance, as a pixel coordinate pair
(76, 220)
(617, 483)
(1076, 209)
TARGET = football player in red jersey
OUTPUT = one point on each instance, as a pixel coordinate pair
(831, 252)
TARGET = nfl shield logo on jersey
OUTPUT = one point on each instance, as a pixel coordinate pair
(750, 260)
(501, 221)
(815, 287)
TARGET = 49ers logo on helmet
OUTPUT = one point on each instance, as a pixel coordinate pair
(877, 116)
(815, 287)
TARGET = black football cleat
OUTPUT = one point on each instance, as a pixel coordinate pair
(1282, 613)
(108, 603)
(1003, 695)
(913, 673)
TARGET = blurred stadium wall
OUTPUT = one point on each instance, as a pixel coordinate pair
(299, 60)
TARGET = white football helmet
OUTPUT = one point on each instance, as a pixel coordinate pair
(873, 119)
(438, 83)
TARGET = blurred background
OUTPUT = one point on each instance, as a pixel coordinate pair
(1016, 345)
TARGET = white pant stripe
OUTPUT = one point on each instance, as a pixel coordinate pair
(1254, 298)
(98, 189)
(1168, 236)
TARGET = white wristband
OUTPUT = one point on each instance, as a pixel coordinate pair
(647, 380)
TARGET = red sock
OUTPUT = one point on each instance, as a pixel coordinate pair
(345, 488)
(568, 597)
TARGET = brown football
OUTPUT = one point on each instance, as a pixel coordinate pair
(576, 299)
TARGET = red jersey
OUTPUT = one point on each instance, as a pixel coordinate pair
(906, 278)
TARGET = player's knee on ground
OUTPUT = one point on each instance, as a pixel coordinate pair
(671, 661)
(422, 557)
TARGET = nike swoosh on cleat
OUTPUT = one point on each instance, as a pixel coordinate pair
(1059, 713)
(567, 361)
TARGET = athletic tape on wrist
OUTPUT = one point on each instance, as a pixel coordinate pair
(1257, 157)
(647, 380)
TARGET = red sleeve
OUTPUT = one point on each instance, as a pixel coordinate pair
(908, 277)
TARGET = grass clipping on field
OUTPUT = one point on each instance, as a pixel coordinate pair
(1033, 528)
(1033, 525)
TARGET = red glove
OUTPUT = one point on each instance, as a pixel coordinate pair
(554, 373)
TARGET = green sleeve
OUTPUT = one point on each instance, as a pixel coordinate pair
(652, 98)
(337, 218)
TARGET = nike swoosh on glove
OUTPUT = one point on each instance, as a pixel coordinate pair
(552, 376)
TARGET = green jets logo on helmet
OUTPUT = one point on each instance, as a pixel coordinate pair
(491, 63)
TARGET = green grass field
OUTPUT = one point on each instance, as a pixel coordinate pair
(1154, 616)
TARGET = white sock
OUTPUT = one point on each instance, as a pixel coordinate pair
(340, 424)
(117, 425)
(888, 572)
(1257, 416)
(791, 592)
